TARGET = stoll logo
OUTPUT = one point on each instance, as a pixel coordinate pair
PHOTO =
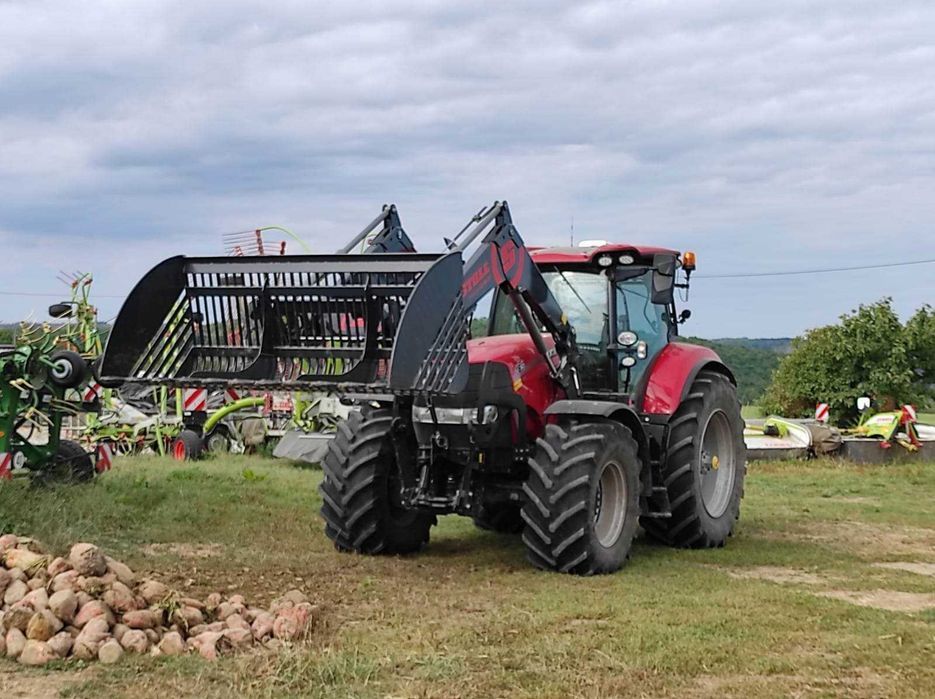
(476, 278)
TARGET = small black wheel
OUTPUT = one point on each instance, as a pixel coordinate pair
(69, 370)
(582, 508)
(187, 446)
(360, 492)
(706, 461)
(502, 519)
(219, 441)
(71, 464)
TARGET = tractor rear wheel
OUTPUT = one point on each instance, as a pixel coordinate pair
(361, 491)
(704, 468)
(582, 507)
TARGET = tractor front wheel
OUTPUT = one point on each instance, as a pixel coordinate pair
(582, 507)
(361, 490)
(188, 446)
(704, 468)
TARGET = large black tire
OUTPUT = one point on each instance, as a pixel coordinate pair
(705, 499)
(71, 464)
(502, 519)
(69, 370)
(188, 446)
(360, 491)
(582, 507)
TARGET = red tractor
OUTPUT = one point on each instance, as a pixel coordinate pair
(534, 390)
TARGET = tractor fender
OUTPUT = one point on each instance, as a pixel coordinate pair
(610, 410)
(672, 374)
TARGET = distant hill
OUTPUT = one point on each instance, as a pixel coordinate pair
(751, 359)
(782, 345)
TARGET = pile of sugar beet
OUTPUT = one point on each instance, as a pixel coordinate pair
(90, 607)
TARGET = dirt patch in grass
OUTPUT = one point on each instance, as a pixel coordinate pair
(184, 550)
(866, 539)
(856, 500)
(777, 574)
(856, 682)
(16, 683)
(890, 600)
(916, 567)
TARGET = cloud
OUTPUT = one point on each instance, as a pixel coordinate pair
(765, 136)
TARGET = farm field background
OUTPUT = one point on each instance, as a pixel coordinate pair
(827, 589)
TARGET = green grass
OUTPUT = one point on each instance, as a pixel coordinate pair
(469, 618)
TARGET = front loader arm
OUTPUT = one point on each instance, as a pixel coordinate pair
(390, 238)
(503, 262)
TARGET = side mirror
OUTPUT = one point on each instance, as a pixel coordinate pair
(684, 315)
(60, 310)
(663, 279)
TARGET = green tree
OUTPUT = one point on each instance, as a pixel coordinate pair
(869, 353)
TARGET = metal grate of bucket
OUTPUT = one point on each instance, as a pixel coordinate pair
(281, 321)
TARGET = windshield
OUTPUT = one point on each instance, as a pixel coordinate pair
(583, 296)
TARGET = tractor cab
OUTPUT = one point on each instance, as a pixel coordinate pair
(619, 300)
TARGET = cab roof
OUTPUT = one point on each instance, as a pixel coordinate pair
(586, 255)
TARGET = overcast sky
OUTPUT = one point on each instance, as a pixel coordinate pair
(764, 136)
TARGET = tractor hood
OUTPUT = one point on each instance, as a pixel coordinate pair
(517, 352)
(529, 371)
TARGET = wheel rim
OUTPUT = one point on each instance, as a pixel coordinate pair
(61, 370)
(218, 444)
(178, 451)
(717, 464)
(610, 507)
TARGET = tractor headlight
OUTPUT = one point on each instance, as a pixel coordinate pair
(627, 259)
(627, 338)
(628, 361)
(605, 260)
(489, 415)
(641, 350)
